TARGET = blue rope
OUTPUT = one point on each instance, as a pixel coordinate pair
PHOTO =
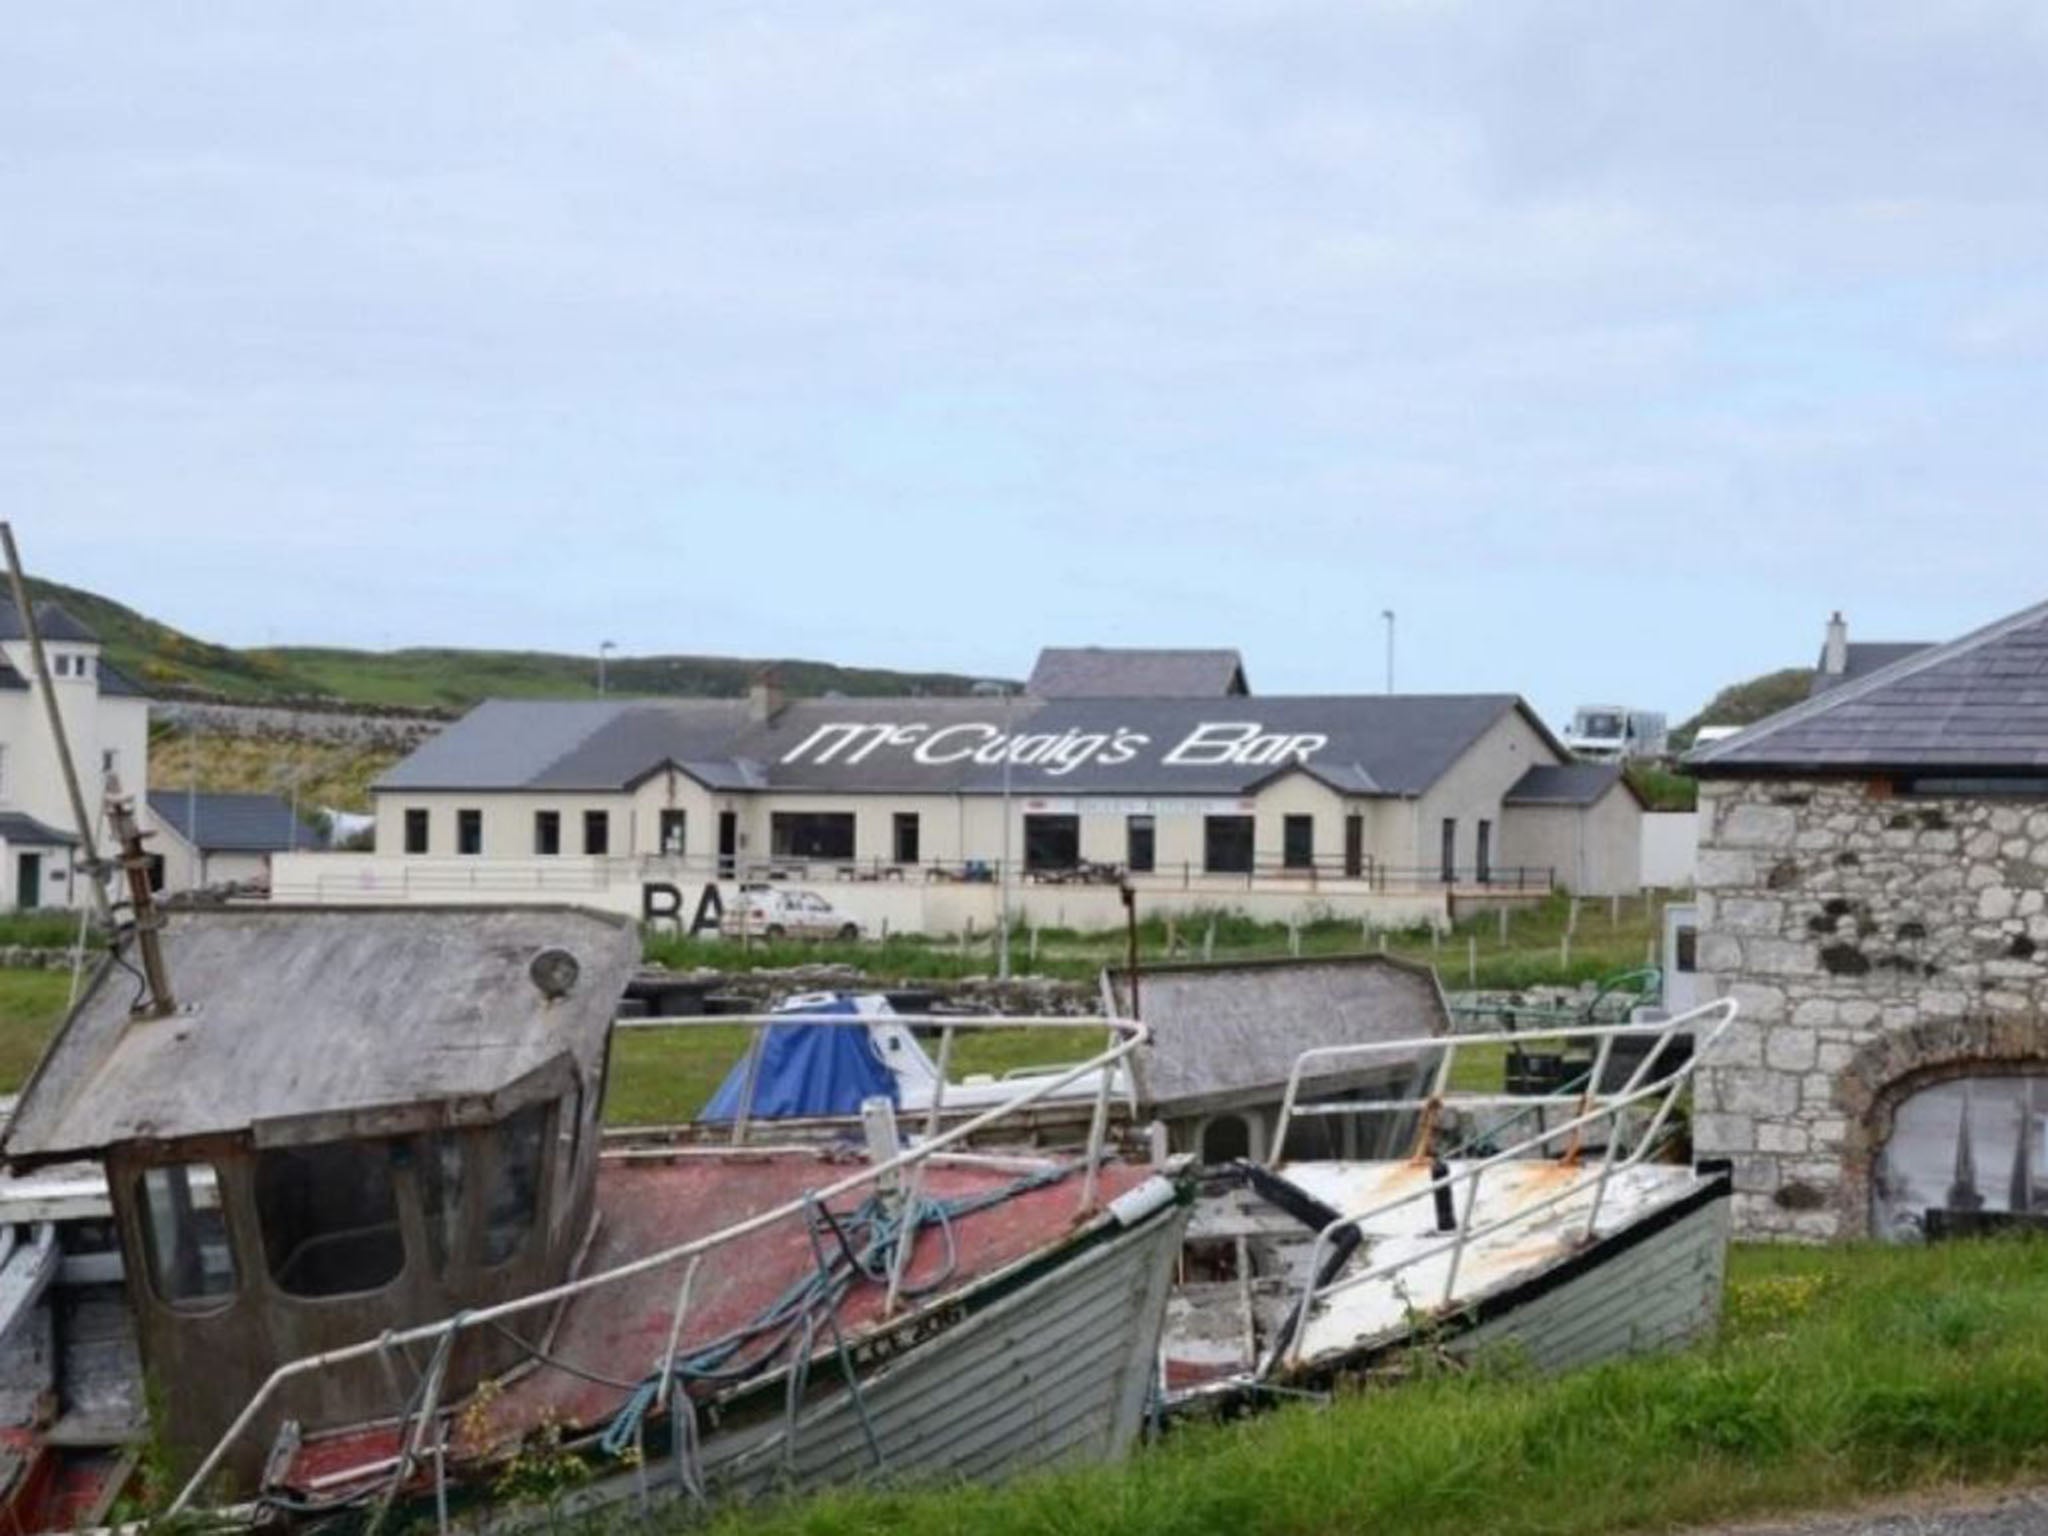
(866, 1239)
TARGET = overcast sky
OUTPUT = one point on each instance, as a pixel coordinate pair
(1611, 345)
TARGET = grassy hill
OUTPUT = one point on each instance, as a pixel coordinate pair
(176, 665)
(1747, 703)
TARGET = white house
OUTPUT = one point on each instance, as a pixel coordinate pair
(211, 841)
(106, 721)
(1152, 768)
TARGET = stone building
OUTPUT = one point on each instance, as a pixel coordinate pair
(1873, 890)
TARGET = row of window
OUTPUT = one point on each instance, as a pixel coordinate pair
(71, 663)
(547, 832)
(328, 1214)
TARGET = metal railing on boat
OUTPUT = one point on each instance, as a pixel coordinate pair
(1122, 1039)
(1595, 1109)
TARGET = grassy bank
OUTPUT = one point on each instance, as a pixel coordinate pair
(1841, 1374)
(1531, 951)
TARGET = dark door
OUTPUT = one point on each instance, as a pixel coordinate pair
(1298, 842)
(906, 837)
(1482, 854)
(728, 843)
(1354, 847)
(1450, 851)
(28, 880)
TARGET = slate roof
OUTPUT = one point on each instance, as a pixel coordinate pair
(1377, 744)
(299, 1024)
(53, 619)
(30, 833)
(1106, 672)
(234, 823)
(1860, 659)
(1979, 703)
(1566, 784)
(1228, 1034)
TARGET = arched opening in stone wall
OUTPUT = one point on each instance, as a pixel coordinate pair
(1947, 1130)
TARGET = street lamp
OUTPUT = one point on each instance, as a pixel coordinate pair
(1003, 870)
(604, 649)
(1388, 615)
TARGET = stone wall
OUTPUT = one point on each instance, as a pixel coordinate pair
(1874, 942)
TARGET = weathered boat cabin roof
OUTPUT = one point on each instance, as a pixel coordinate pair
(1228, 1033)
(298, 1025)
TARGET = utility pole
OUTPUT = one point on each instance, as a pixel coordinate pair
(1003, 940)
(604, 649)
(1388, 615)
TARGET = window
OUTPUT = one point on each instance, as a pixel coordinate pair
(416, 831)
(811, 834)
(61, 664)
(1686, 944)
(185, 1236)
(1298, 842)
(1052, 842)
(1354, 846)
(1227, 845)
(330, 1217)
(443, 1177)
(597, 832)
(906, 838)
(1482, 852)
(547, 833)
(674, 827)
(110, 761)
(1449, 857)
(513, 1199)
(1140, 844)
(469, 831)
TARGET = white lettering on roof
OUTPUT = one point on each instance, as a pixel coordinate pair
(1214, 743)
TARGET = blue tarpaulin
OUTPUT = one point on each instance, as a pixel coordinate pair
(808, 1070)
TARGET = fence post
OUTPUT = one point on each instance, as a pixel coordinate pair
(1564, 949)
(1614, 911)
(1209, 940)
(1032, 951)
(1503, 927)
(1571, 922)
(1294, 937)
(1471, 962)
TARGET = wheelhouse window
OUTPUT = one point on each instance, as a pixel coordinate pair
(1298, 842)
(1227, 845)
(329, 1215)
(513, 1199)
(469, 831)
(811, 835)
(1141, 844)
(547, 833)
(1052, 842)
(442, 1173)
(416, 830)
(597, 832)
(185, 1236)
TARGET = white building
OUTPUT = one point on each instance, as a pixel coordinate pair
(106, 721)
(1385, 808)
(221, 841)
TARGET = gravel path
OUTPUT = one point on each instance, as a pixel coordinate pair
(2022, 1512)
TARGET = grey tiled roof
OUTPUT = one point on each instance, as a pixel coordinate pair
(55, 621)
(1396, 744)
(26, 830)
(1862, 657)
(233, 823)
(1565, 784)
(1106, 672)
(1980, 702)
(118, 685)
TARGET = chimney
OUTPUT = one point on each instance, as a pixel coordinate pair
(764, 698)
(1834, 654)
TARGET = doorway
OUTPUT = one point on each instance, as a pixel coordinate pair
(28, 880)
(728, 844)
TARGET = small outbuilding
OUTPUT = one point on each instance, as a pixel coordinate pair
(212, 840)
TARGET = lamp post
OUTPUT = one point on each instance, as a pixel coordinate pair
(984, 690)
(604, 649)
(1388, 615)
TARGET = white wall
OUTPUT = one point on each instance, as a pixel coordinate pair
(1671, 849)
(1472, 791)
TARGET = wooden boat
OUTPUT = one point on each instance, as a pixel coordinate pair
(345, 1196)
(1539, 1226)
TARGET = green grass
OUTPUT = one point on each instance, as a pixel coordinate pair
(1841, 1374)
(38, 930)
(31, 1005)
(1603, 942)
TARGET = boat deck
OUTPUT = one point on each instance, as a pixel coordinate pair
(619, 1332)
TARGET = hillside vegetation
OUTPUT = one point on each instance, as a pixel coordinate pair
(173, 664)
(335, 775)
(1747, 703)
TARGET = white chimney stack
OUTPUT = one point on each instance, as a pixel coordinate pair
(1834, 655)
